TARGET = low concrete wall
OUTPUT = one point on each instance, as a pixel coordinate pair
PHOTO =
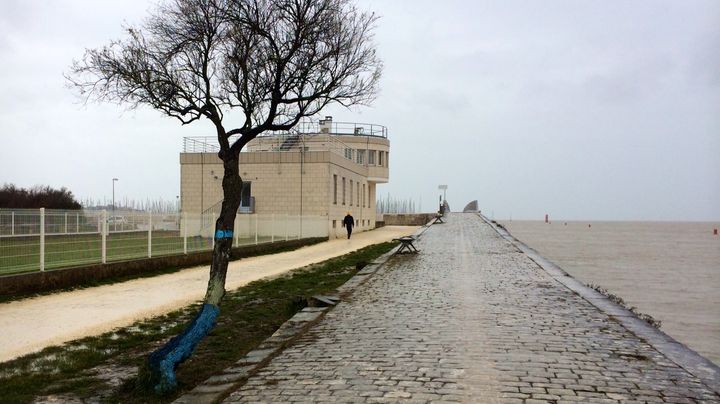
(36, 282)
(407, 219)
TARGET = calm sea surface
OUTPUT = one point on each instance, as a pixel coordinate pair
(670, 270)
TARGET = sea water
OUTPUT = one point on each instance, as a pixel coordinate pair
(669, 270)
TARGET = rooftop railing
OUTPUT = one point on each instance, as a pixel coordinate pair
(200, 144)
(302, 135)
(341, 128)
(275, 143)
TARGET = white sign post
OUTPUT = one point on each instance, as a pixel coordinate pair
(444, 199)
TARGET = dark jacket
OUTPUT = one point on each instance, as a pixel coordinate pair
(349, 221)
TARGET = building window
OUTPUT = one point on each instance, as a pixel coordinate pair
(357, 185)
(349, 154)
(361, 156)
(381, 154)
(343, 191)
(363, 195)
(387, 159)
(351, 192)
(371, 157)
(335, 189)
(245, 194)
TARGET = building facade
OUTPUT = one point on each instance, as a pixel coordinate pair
(324, 171)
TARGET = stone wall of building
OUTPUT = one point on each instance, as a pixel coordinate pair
(361, 208)
(287, 183)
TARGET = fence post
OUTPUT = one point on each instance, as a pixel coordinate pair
(77, 223)
(184, 226)
(149, 234)
(256, 227)
(66, 223)
(12, 223)
(272, 228)
(42, 239)
(103, 231)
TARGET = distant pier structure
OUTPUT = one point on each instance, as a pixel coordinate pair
(471, 207)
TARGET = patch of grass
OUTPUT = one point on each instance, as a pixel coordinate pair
(248, 316)
(620, 302)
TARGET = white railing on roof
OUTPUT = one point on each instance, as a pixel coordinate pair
(276, 143)
(340, 128)
(314, 136)
(200, 144)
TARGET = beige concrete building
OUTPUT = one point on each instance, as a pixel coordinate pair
(324, 171)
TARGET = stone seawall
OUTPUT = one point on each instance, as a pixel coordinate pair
(407, 219)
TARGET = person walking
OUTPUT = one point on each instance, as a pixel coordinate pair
(348, 223)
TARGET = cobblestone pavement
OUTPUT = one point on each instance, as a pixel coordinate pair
(469, 319)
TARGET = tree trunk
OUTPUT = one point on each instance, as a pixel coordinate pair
(163, 362)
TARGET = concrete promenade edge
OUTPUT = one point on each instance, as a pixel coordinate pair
(478, 317)
(679, 353)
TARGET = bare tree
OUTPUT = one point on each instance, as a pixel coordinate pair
(272, 61)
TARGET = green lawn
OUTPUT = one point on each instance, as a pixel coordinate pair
(22, 254)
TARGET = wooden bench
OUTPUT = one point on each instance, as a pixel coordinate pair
(406, 245)
(438, 219)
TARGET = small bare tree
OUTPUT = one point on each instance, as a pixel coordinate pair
(272, 61)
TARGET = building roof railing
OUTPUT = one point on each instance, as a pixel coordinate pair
(302, 135)
(275, 143)
(200, 144)
(327, 125)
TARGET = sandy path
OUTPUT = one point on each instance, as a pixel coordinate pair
(30, 325)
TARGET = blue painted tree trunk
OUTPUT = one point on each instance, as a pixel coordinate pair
(165, 360)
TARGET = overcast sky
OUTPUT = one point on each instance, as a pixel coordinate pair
(580, 109)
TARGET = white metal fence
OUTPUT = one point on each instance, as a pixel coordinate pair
(40, 239)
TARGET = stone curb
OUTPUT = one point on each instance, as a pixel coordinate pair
(677, 352)
(217, 387)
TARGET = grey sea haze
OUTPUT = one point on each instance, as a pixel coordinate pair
(670, 270)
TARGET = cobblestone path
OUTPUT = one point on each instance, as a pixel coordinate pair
(470, 319)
